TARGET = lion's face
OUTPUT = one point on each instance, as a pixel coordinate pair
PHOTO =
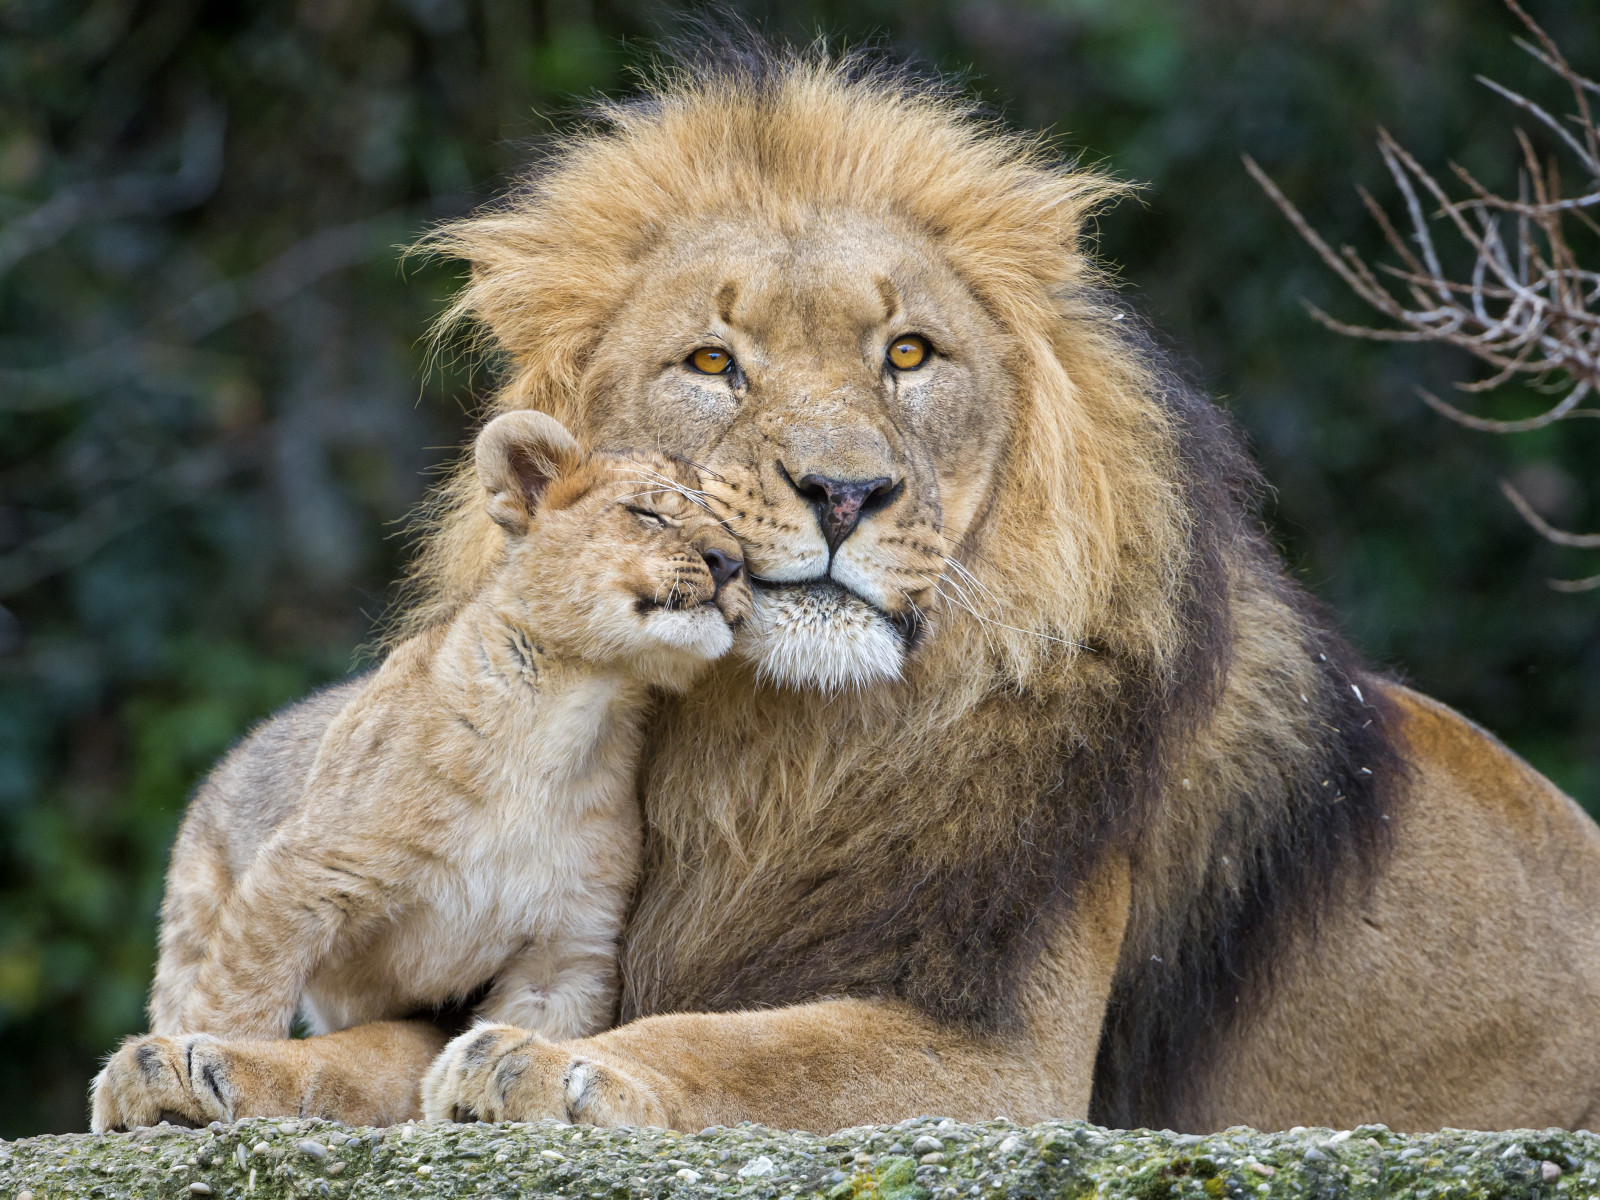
(846, 399)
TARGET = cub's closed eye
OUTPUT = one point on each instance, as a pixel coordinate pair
(909, 352)
(648, 517)
(711, 360)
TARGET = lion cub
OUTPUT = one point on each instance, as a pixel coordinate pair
(465, 815)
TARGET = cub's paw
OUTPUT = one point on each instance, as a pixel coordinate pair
(502, 1073)
(182, 1080)
(494, 1073)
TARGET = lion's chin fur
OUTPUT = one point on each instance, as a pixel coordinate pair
(820, 638)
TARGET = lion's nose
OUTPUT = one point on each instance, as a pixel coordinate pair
(724, 566)
(841, 503)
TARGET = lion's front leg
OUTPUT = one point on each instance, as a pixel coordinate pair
(366, 1075)
(820, 1066)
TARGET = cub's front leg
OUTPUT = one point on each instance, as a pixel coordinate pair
(291, 910)
(555, 990)
(365, 1075)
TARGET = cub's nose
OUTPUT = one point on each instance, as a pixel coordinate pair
(724, 566)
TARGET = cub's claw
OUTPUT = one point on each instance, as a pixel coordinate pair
(183, 1080)
(502, 1073)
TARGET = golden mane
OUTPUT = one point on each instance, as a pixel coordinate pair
(922, 841)
(554, 261)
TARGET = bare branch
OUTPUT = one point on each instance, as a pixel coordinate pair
(1549, 417)
(1526, 308)
(1545, 119)
(1584, 541)
(1575, 585)
(1536, 316)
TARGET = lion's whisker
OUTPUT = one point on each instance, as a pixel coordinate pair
(959, 543)
(693, 495)
(652, 488)
(971, 578)
(966, 603)
(702, 468)
(655, 478)
(983, 622)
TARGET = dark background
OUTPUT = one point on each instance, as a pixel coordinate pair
(217, 405)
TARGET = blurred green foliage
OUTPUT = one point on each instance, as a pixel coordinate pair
(216, 408)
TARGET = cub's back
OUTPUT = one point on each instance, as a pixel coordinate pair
(262, 778)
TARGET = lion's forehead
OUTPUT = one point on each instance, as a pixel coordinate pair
(790, 282)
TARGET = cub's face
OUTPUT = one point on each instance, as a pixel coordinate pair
(846, 399)
(618, 557)
(648, 569)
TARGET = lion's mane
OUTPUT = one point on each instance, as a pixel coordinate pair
(1146, 681)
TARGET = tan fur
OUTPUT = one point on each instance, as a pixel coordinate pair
(825, 1065)
(469, 814)
(368, 1075)
(818, 807)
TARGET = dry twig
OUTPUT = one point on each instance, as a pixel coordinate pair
(1527, 308)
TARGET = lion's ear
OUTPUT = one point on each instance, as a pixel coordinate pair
(519, 455)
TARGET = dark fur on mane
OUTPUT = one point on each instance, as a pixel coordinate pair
(1167, 1018)
(1326, 838)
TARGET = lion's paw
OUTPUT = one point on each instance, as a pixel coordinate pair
(182, 1080)
(598, 1094)
(502, 1073)
(475, 1075)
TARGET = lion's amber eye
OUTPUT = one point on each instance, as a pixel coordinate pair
(909, 352)
(711, 360)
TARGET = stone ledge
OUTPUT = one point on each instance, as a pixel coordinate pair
(300, 1160)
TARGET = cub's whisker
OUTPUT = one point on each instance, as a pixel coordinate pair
(659, 482)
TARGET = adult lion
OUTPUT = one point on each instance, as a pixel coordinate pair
(1037, 789)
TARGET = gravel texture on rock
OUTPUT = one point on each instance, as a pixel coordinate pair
(926, 1159)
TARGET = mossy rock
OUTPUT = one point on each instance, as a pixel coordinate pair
(924, 1159)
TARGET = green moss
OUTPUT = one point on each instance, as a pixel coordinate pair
(893, 1178)
(310, 1160)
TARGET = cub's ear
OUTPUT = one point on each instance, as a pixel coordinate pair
(519, 454)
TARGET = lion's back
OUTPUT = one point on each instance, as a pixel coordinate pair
(1463, 988)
